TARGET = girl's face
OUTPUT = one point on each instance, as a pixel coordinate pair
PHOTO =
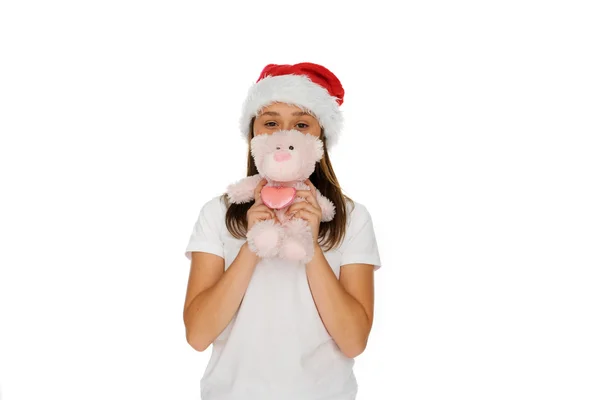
(282, 116)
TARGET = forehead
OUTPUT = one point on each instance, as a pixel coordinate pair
(285, 110)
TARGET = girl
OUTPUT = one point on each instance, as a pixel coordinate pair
(283, 330)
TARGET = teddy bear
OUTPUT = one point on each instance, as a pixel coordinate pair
(286, 158)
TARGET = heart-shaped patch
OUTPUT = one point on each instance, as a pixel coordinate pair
(277, 197)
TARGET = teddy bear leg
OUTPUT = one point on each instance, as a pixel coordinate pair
(265, 237)
(297, 243)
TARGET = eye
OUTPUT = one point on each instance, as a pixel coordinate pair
(302, 123)
(267, 124)
(277, 148)
(291, 147)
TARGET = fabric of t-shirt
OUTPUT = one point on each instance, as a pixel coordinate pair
(276, 346)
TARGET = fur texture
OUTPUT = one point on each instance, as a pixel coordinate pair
(298, 90)
(243, 190)
(284, 158)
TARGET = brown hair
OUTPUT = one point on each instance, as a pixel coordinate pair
(331, 233)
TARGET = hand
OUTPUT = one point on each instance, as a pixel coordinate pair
(258, 211)
(308, 210)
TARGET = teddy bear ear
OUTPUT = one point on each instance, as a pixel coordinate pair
(319, 152)
(259, 145)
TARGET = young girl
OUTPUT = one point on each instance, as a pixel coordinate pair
(283, 330)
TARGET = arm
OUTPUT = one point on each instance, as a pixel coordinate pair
(208, 312)
(243, 190)
(345, 306)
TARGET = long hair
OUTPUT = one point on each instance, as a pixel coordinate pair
(331, 233)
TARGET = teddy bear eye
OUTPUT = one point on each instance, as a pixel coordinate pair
(291, 147)
(278, 147)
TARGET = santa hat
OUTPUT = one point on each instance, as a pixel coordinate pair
(307, 85)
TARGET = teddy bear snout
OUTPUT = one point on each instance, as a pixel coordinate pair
(282, 155)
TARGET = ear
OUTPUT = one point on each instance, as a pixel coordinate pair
(259, 146)
(316, 151)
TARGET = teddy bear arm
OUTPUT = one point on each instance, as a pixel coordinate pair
(327, 207)
(243, 190)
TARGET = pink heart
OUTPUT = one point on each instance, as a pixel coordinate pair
(277, 197)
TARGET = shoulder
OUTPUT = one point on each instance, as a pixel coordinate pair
(358, 224)
(213, 210)
(357, 214)
(360, 242)
(215, 204)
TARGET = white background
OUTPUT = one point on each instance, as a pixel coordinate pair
(472, 136)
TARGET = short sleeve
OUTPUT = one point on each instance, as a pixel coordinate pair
(206, 233)
(360, 245)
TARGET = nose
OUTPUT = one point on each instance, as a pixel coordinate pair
(282, 155)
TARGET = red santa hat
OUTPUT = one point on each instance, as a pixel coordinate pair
(307, 85)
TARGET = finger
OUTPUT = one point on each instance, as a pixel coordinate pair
(263, 215)
(306, 207)
(264, 207)
(267, 210)
(309, 184)
(261, 184)
(305, 193)
(306, 215)
(261, 208)
(298, 207)
(308, 195)
(312, 187)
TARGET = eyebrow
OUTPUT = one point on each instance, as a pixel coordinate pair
(275, 113)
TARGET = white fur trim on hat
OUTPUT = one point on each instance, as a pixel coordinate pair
(298, 90)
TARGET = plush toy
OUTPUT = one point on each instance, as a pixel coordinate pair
(285, 158)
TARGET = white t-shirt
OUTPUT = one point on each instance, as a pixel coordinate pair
(276, 346)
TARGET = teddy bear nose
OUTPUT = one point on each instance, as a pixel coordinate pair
(282, 155)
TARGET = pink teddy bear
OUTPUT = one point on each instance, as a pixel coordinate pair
(285, 158)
